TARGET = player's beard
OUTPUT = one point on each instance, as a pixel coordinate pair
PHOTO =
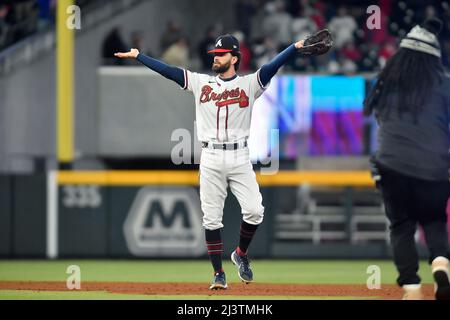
(221, 68)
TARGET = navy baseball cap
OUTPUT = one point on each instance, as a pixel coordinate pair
(225, 43)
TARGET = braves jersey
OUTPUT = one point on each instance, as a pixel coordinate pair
(223, 108)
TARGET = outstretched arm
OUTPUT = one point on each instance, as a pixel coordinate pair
(268, 70)
(170, 72)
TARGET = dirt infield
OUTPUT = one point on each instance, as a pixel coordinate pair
(389, 292)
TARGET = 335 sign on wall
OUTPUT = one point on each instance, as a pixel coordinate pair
(81, 196)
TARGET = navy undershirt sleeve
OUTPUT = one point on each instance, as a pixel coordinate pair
(170, 72)
(268, 70)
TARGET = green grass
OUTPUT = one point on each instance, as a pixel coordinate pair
(100, 295)
(267, 271)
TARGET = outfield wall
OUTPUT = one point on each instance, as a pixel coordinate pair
(154, 214)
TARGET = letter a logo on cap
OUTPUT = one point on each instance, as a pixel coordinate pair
(219, 43)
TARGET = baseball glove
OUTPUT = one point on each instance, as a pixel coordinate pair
(317, 44)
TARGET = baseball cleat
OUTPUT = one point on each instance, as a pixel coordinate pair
(243, 265)
(439, 268)
(219, 282)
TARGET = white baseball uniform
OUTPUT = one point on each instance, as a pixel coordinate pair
(223, 116)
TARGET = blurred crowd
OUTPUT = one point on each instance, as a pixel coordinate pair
(265, 27)
(22, 18)
(270, 26)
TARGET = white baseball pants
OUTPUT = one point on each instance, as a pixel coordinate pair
(220, 168)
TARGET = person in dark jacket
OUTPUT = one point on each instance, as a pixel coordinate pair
(411, 103)
(113, 43)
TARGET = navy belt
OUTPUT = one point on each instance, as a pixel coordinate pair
(224, 146)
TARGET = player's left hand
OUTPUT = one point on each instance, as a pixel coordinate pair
(316, 44)
(299, 44)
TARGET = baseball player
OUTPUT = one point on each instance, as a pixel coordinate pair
(224, 105)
